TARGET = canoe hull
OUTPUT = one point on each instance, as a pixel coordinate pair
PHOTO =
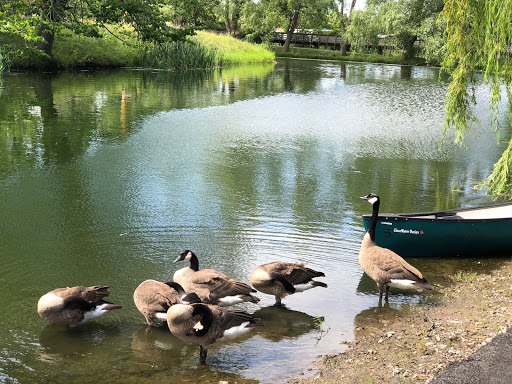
(412, 237)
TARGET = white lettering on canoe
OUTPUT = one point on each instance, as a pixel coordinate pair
(409, 231)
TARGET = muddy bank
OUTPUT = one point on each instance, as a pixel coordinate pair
(416, 344)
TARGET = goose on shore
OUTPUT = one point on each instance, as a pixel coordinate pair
(383, 265)
(211, 286)
(74, 305)
(282, 279)
(153, 298)
(206, 324)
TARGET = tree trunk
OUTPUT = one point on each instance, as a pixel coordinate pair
(294, 22)
(235, 16)
(226, 18)
(50, 15)
(344, 44)
(408, 47)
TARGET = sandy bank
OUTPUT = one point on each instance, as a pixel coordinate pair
(416, 344)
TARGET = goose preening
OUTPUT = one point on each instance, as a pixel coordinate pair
(211, 286)
(153, 298)
(205, 324)
(383, 265)
(282, 279)
(75, 305)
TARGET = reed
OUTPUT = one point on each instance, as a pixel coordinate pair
(5, 61)
(182, 54)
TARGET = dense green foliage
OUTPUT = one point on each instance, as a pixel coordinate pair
(404, 21)
(38, 32)
(478, 36)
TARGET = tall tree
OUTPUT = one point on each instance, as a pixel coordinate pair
(232, 12)
(37, 21)
(402, 19)
(17, 23)
(344, 24)
(295, 9)
(195, 13)
(478, 37)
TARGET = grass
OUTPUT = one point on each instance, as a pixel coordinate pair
(182, 54)
(4, 66)
(204, 50)
(77, 51)
(234, 51)
(462, 276)
(330, 54)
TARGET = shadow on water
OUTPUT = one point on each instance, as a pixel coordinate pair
(375, 319)
(283, 323)
(60, 342)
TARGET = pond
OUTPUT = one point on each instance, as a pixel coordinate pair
(105, 176)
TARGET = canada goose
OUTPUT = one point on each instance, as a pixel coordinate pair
(383, 265)
(206, 324)
(211, 286)
(282, 279)
(153, 298)
(75, 305)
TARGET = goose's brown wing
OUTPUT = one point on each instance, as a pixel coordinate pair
(217, 282)
(395, 267)
(302, 275)
(229, 318)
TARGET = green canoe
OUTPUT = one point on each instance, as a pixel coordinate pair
(479, 231)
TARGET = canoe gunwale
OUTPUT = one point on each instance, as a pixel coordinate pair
(449, 216)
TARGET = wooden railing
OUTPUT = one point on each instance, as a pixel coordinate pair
(308, 39)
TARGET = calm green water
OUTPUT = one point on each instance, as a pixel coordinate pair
(106, 176)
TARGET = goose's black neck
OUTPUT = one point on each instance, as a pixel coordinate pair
(206, 318)
(177, 287)
(194, 262)
(373, 223)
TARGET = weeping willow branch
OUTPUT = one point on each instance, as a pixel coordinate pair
(499, 182)
(478, 38)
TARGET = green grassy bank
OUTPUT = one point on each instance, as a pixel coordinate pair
(203, 50)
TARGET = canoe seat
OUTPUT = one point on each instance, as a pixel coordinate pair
(450, 217)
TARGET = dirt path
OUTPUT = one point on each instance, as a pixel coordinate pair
(419, 342)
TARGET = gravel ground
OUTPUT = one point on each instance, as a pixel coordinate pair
(417, 343)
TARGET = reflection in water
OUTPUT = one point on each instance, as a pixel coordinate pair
(56, 343)
(156, 345)
(109, 174)
(373, 320)
(283, 323)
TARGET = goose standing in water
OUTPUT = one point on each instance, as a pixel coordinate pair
(383, 265)
(206, 324)
(282, 279)
(211, 286)
(153, 298)
(75, 305)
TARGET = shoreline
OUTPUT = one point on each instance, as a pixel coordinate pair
(421, 341)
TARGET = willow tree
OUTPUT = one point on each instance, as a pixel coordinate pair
(478, 38)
